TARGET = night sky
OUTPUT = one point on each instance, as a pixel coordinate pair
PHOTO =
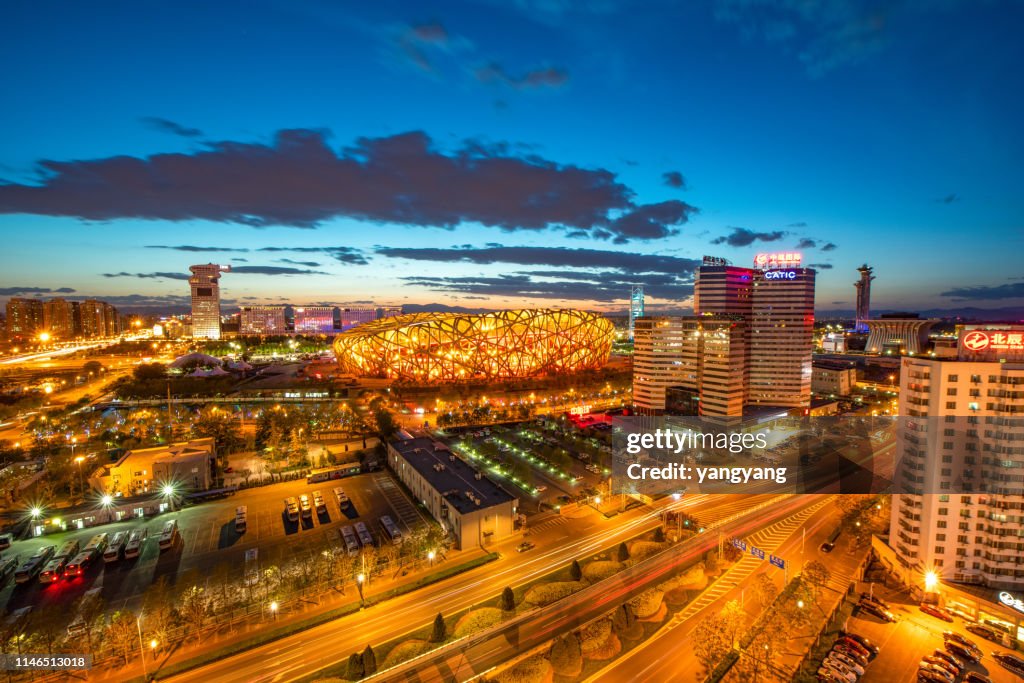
(493, 154)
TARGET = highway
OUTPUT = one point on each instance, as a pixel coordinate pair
(294, 657)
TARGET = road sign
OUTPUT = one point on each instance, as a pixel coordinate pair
(757, 552)
(739, 543)
(777, 561)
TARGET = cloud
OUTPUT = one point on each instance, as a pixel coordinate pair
(349, 255)
(562, 273)
(164, 275)
(192, 248)
(298, 180)
(981, 292)
(674, 179)
(308, 264)
(829, 247)
(547, 77)
(432, 32)
(14, 291)
(823, 35)
(821, 266)
(799, 224)
(167, 126)
(274, 270)
(806, 243)
(742, 237)
(948, 199)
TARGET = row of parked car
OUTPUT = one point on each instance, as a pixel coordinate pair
(848, 658)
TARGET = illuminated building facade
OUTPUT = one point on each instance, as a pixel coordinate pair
(98, 319)
(390, 311)
(450, 347)
(205, 284)
(636, 306)
(24, 318)
(59, 319)
(314, 320)
(350, 317)
(261, 320)
(898, 334)
(973, 533)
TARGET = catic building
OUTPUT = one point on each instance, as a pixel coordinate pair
(205, 284)
(452, 347)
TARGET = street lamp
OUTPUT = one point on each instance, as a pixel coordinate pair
(359, 582)
(931, 581)
(142, 651)
(430, 557)
(78, 461)
(273, 609)
(168, 491)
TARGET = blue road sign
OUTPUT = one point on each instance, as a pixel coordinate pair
(777, 561)
(739, 543)
(757, 552)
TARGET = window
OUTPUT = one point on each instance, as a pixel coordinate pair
(951, 391)
(940, 537)
(944, 511)
(953, 378)
(941, 550)
(951, 405)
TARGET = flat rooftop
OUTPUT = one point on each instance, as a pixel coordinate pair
(450, 475)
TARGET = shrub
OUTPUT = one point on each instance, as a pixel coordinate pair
(566, 657)
(595, 635)
(547, 593)
(647, 603)
(407, 649)
(638, 550)
(477, 620)
(535, 669)
(600, 570)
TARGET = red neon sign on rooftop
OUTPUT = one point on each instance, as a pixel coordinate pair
(781, 259)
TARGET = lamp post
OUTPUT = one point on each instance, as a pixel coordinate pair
(273, 609)
(78, 461)
(430, 558)
(168, 491)
(359, 583)
(142, 651)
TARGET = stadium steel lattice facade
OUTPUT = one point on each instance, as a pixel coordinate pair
(449, 347)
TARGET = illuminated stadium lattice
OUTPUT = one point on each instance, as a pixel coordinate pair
(448, 347)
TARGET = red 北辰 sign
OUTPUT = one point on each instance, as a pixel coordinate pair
(995, 340)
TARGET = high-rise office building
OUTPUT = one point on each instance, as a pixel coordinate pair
(962, 433)
(59, 319)
(98, 318)
(636, 306)
(690, 365)
(389, 311)
(205, 283)
(24, 318)
(314, 320)
(350, 317)
(262, 320)
(863, 288)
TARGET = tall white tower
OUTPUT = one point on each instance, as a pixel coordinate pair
(206, 299)
(636, 306)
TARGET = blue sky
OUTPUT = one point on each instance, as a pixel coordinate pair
(492, 154)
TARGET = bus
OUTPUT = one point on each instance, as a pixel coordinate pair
(134, 546)
(28, 570)
(169, 535)
(77, 626)
(339, 493)
(348, 537)
(241, 523)
(82, 562)
(336, 472)
(307, 509)
(291, 507)
(7, 567)
(319, 504)
(828, 545)
(365, 538)
(113, 551)
(391, 530)
(98, 543)
(54, 569)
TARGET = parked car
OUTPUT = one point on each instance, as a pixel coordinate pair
(836, 669)
(927, 676)
(875, 599)
(953, 636)
(524, 546)
(6, 540)
(975, 677)
(986, 632)
(936, 670)
(851, 645)
(962, 651)
(937, 612)
(860, 640)
(826, 675)
(848, 661)
(1011, 662)
(873, 609)
(953, 661)
(942, 664)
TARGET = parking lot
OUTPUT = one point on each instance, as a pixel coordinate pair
(209, 539)
(913, 636)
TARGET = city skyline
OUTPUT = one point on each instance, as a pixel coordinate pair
(318, 166)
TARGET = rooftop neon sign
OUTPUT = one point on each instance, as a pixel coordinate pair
(781, 259)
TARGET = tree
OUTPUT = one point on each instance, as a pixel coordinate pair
(711, 564)
(195, 608)
(659, 535)
(158, 606)
(575, 571)
(149, 371)
(219, 424)
(47, 626)
(730, 553)
(90, 607)
(122, 632)
(369, 661)
(623, 553)
(92, 367)
(440, 632)
(623, 618)
(711, 640)
(566, 657)
(386, 426)
(816, 575)
(507, 603)
(355, 667)
(733, 618)
(764, 590)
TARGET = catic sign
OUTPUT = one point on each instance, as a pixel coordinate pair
(780, 275)
(781, 259)
(1012, 601)
(977, 341)
(580, 410)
